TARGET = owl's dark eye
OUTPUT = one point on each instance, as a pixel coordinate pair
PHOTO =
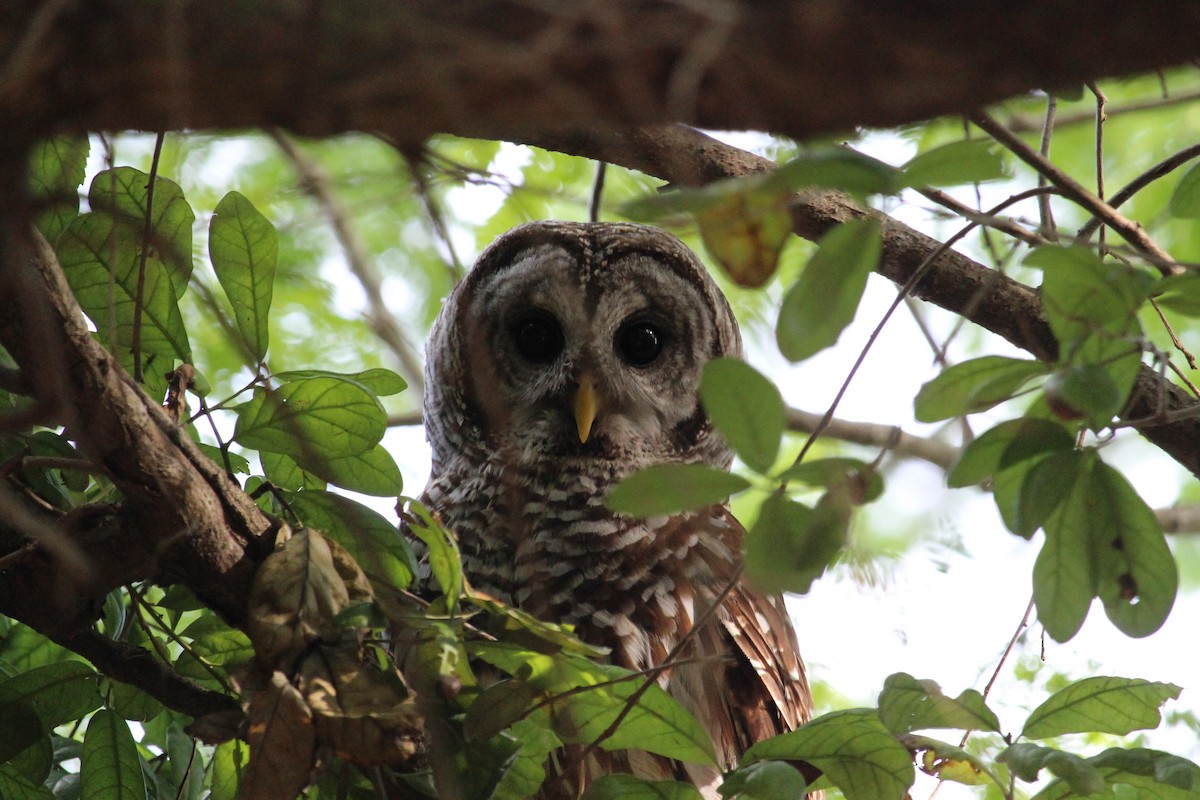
(639, 343)
(538, 338)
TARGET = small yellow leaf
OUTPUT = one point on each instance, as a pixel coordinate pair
(745, 232)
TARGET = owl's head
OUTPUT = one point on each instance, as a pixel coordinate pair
(578, 341)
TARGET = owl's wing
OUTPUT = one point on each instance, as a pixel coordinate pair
(767, 679)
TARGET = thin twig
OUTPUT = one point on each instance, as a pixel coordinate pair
(597, 191)
(1191, 359)
(1027, 123)
(1101, 100)
(1047, 228)
(1075, 191)
(135, 343)
(1159, 170)
(315, 183)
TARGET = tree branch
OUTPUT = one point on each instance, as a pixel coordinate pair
(426, 66)
(955, 282)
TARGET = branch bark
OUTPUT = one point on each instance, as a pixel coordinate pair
(798, 67)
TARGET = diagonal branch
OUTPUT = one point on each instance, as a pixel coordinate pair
(959, 284)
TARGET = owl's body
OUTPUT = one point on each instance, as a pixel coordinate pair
(568, 359)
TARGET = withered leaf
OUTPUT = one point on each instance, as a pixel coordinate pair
(297, 594)
(282, 742)
(367, 716)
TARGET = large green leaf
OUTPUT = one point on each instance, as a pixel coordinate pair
(836, 168)
(312, 420)
(1064, 579)
(1005, 446)
(956, 163)
(747, 409)
(244, 247)
(974, 385)
(790, 545)
(669, 488)
(373, 541)
(14, 786)
(1101, 540)
(373, 472)
(99, 257)
(1101, 705)
(377, 380)
(124, 193)
(853, 749)
(656, 724)
(764, 780)
(57, 167)
(111, 768)
(627, 787)
(907, 704)
(445, 561)
(1027, 760)
(1150, 773)
(35, 702)
(524, 771)
(823, 301)
(1185, 201)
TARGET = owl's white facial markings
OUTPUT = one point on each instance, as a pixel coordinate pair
(547, 323)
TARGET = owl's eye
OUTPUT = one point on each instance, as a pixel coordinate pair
(538, 339)
(639, 343)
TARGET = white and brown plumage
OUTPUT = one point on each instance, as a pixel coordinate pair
(569, 358)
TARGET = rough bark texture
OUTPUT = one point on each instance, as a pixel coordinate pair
(800, 68)
(601, 78)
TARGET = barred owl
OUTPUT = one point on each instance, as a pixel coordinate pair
(569, 358)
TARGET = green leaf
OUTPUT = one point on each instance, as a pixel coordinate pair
(1027, 760)
(1084, 391)
(286, 474)
(1179, 293)
(853, 749)
(1085, 295)
(764, 780)
(790, 545)
(244, 247)
(497, 707)
(907, 704)
(747, 409)
(656, 724)
(218, 643)
(1185, 201)
(974, 385)
(35, 702)
(377, 380)
(14, 786)
(1005, 446)
(836, 168)
(1101, 705)
(123, 192)
(443, 556)
(57, 167)
(823, 301)
(229, 762)
(111, 768)
(374, 542)
(669, 488)
(1103, 540)
(1042, 489)
(956, 163)
(525, 771)
(1064, 580)
(100, 259)
(627, 787)
(313, 420)
(863, 480)
(373, 472)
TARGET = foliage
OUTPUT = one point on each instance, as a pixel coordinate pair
(295, 408)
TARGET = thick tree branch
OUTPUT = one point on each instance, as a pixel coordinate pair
(796, 67)
(182, 518)
(955, 282)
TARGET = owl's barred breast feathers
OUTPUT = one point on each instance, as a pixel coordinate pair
(568, 359)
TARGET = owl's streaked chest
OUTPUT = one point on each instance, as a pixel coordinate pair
(544, 541)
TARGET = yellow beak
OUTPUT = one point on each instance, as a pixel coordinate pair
(585, 406)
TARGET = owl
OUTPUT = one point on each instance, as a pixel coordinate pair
(568, 359)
